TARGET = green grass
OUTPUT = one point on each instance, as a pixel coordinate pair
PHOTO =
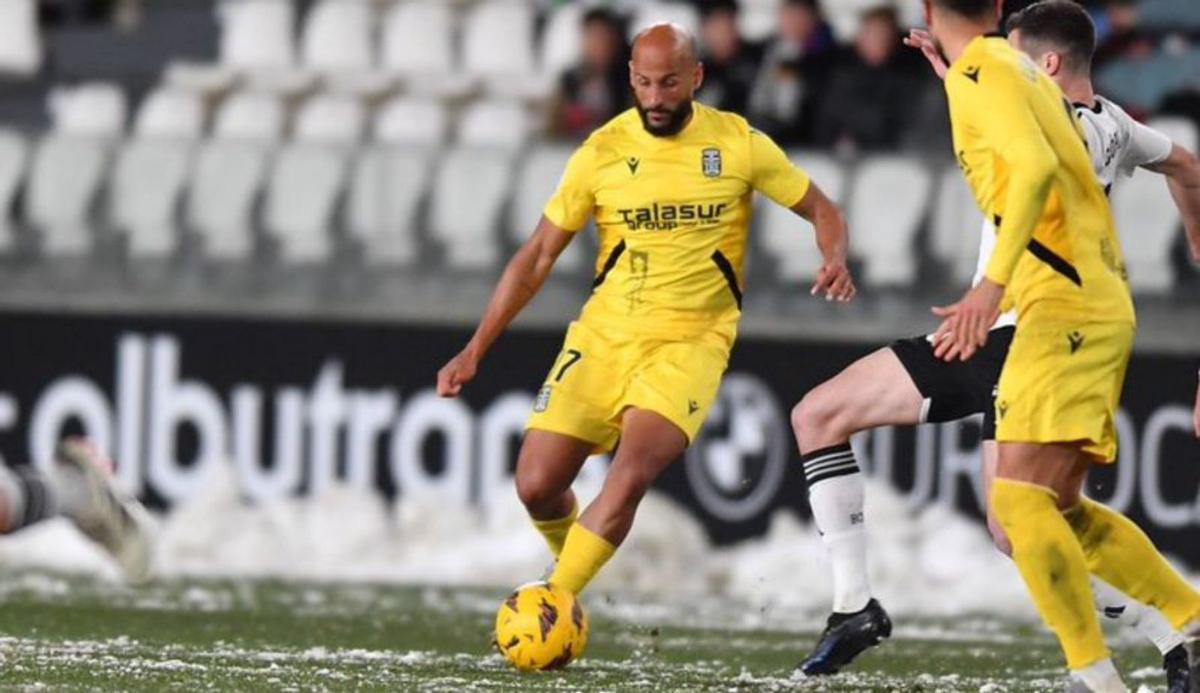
(77, 633)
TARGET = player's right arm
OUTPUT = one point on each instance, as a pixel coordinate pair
(566, 212)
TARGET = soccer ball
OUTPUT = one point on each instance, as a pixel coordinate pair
(540, 627)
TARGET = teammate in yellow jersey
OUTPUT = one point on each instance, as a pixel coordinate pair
(670, 185)
(1057, 261)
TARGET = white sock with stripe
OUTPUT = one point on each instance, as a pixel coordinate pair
(836, 495)
(1115, 605)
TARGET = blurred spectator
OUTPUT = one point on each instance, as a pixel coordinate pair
(794, 68)
(870, 99)
(730, 64)
(1117, 32)
(596, 89)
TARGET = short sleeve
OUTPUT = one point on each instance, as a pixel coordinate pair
(573, 201)
(772, 174)
(1146, 146)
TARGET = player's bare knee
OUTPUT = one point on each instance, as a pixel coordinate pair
(536, 488)
(816, 419)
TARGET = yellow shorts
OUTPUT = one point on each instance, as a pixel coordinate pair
(601, 372)
(1062, 383)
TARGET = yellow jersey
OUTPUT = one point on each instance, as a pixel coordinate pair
(1013, 128)
(672, 215)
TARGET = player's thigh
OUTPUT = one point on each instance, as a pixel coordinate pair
(875, 390)
(550, 460)
(1059, 467)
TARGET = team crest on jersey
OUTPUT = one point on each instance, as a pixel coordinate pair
(543, 399)
(710, 162)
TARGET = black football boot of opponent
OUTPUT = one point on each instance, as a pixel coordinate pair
(1179, 673)
(847, 636)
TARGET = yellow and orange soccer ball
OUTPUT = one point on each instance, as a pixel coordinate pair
(541, 627)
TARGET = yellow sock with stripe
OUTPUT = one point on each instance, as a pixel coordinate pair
(1052, 563)
(584, 554)
(1121, 554)
(555, 531)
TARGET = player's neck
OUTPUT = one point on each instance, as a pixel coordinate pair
(956, 33)
(1078, 89)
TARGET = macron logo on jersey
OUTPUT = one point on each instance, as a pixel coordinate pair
(658, 217)
(972, 73)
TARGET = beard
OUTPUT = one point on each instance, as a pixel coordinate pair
(678, 117)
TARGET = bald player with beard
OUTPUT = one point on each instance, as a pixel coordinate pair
(670, 184)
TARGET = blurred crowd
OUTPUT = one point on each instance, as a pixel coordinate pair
(805, 89)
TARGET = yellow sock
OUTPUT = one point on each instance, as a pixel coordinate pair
(1120, 553)
(555, 531)
(583, 555)
(1051, 562)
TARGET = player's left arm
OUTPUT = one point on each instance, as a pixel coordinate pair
(1182, 170)
(1005, 115)
(774, 175)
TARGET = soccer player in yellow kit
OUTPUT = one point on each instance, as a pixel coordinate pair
(1057, 261)
(670, 185)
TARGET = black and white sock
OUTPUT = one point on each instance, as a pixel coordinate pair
(29, 495)
(836, 495)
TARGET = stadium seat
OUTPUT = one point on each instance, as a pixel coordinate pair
(418, 46)
(412, 121)
(887, 203)
(653, 12)
(14, 155)
(494, 123)
(20, 42)
(388, 185)
(537, 177)
(470, 189)
(787, 238)
(562, 40)
(1147, 222)
(95, 109)
(170, 112)
(146, 185)
(250, 116)
(308, 177)
(954, 237)
(498, 49)
(256, 36)
(67, 173)
(338, 43)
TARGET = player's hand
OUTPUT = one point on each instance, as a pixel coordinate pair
(459, 371)
(923, 41)
(835, 282)
(965, 324)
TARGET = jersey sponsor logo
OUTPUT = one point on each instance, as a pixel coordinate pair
(972, 73)
(633, 162)
(668, 217)
(710, 162)
(1075, 339)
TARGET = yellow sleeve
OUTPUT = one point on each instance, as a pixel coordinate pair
(772, 174)
(1000, 108)
(574, 199)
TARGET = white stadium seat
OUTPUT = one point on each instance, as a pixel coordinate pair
(1147, 222)
(63, 184)
(537, 178)
(339, 44)
(498, 48)
(413, 121)
(250, 116)
(648, 13)
(388, 186)
(20, 41)
(470, 189)
(331, 118)
(887, 203)
(494, 123)
(95, 109)
(256, 36)
(954, 235)
(418, 45)
(788, 239)
(170, 112)
(146, 185)
(220, 202)
(562, 39)
(14, 158)
(302, 193)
